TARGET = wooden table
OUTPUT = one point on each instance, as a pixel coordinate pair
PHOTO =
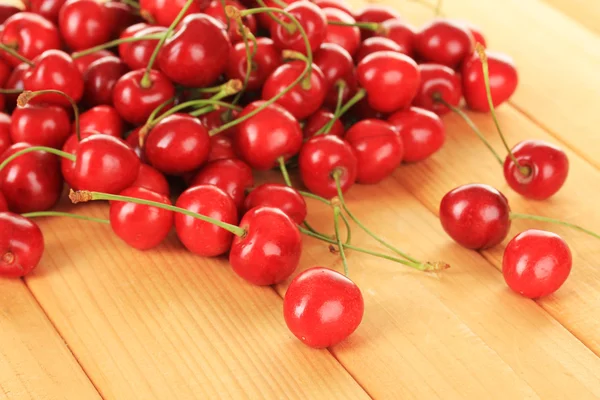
(98, 319)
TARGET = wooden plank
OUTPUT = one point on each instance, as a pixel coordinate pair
(35, 363)
(586, 12)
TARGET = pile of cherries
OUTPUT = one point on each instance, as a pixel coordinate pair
(166, 109)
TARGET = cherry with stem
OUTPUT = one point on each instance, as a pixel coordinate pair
(342, 110)
(26, 96)
(15, 54)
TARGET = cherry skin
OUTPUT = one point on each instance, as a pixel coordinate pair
(422, 132)
(84, 24)
(137, 54)
(48, 9)
(282, 197)
(339, 4)
(5, 134)
(21, 245)
(31, 182)
(322, 307)
(270, 250)
(100, 80)
(476, 216)
(216, 10)
(231, 176)
(6, 11)
(265, 137)
(444, 42)
(221, 148)
(438, 80)
(104, 119)
(379, 150)
(177, 144)
(200, 43)
(338, 67)
(503, 80)
(320, 158)
(40, 125)
(3, 203)
(401, 33)
(266, 60)
(83, 63)
(347, 37)
(536, 263)
(133, 141)
(5, 71)
(164, 12)
(311, 18)
(151, 179)
(15, 81)
(375, 13)
(375, 44)
(121, 16)
(548, 168)
(30, 35)
(318, 120)
(200, 237)
(390, 79)
(141, 227)
(300, 102)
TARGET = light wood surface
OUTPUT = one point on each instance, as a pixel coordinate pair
(166, 324)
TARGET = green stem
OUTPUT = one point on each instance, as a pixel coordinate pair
(348, 229)
(289, 27)
(188, 104)
(16, 54)
(64, 214)
(11, 91)
(355, 99)
(314, 197)
(202, 111)
(336, 115)
(57, 152)
(371, 26)
(284, 171)
(338, 237)
(553, 221)
(26, 97)
(281, 3)
(113, 43)
(158, 109)
(245, 32)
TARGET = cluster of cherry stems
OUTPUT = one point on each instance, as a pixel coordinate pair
(210, 91)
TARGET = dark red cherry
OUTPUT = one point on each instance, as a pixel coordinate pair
(121, 16)
(83, 63)
(84, 24)
(150, 178)
(8, 10)
(21, 245)
(215, 119)
(315, 122)
(283, 197)
(48, 9)
(266, 60)
(40, 125)
(164, 12)
(476, 216)
(312, 20)
(103, 119)
(221, 148)
(422, 132)
(3, 203)
(547, 168)
(338, 67)
(5, 71)
(5, 139)
(375, 13)
(100, 80)
(401, 33)
(15, 81)
(348, 37)
(363, 110)
(137, 54)
(339, 4)
(216, 9)
(30, 35)
(375, 44)
(444, 42)
(438, 80)
(133, 141)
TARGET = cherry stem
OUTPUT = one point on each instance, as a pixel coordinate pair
(284, 171)
(16, 54)
(339, 113)
(245, 32)
(289, 27)
(146, 82)
(113, 43)
(371, 26)
(27, 95)
(57, 152)
(82, 196)
(204, 110)
(11, 91)
(158, 109)
(64, 214)
(281, 3)
(553, 221)
(336, 227)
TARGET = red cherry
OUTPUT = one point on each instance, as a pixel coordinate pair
(422, 132)
(536, 263)
(30, 35)
(3, 203)
(133, 141)
(15, 81)
(137, 54)
(444, 42)
(100, 80)
(21, 245)
(215, 119)
(322, 307)
(104, 119)
(151, 179)
(5, 71)
(217, 10)
(503, 80)
(265, 137)
(348, 37)
(312, 20)
(164, 12)
(391, 80)
(141, 227)
(84, 24)
(83, 63)
(6, 11)
(339, 4)
(318, 120)
(5, 137)
(270, 250)
(548, 168)
(48, 9)
(31, 182)
(221, 148)
(177, 144)
(375, 13)
(438, 80)
(401, 33)
(379, 150)
(200, 237)
(266, 60)
(134, 102)
(121, 16)
(40, 125)
(374, 44)
(476, 216)
(299, 101)
(320, 158)
(278, 196)
(200, 43)
(338, 67)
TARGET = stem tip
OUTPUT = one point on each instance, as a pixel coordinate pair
(80, 196)
(24, 98)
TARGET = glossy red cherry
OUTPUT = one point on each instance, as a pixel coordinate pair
(48, 9)
(31, 182)
(547, 165)
(320, 158)
(221, 148)
(322, 307)
(121, 16)
(30, 35)
(339, 4)
(318, 120)
(503, 80)
(164, 12)
(200, 43)
(270, 250)
(300, 101)
(375, 13)
(104, 119)
(40, 125)
(101, 78)
(283, 197)
(444, 42)
(151, 179)
(83, 63)
(137, 54)
(84, 24)
(216, 9)
(266, 60)
(438, 80)
(536, 263)
(21, 245)
(379, 150)
(347, 37)
(312, 20)
(401, 33)
(422, 132)
(391, 80)
(200, 237)
(338, 67)
(476, 216)
(374, 44)
(5, 139)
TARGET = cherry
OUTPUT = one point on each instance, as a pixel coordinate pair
(104, 119)
(339, 4)
(5, 136)
(320, 158)
(338, 68)
(270, 250)
(200, 43)
(137, 54)
(318, 120)
(121, 16)
(391, 80)
(363, 110)
(134, 102)
(84, 24)
(438, 82)
(263, 18)
(164, 12)
(40, 125)
(140, 226)
(422, 132)
(546, 168)
(401, 33)
(5, 71)
(287, 36)
(177, 144)
(133, 141)
(21, 245)
(217, 10)
(15, 82)
(444, 42)
(536, 263)
(322, 307)
(215, 119)
(375, 13)
(30, 35)
(31, 182)
(3, 203)
(375, 44)
(100, 80)
(231, 176)
(200, 237)
(221, 148)
(282, 197)
(48, 9)
(8, 10)
(348, 37)
(151, 179)
(264, 62)
(83, 63)
(476, 216)
(300, 101)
